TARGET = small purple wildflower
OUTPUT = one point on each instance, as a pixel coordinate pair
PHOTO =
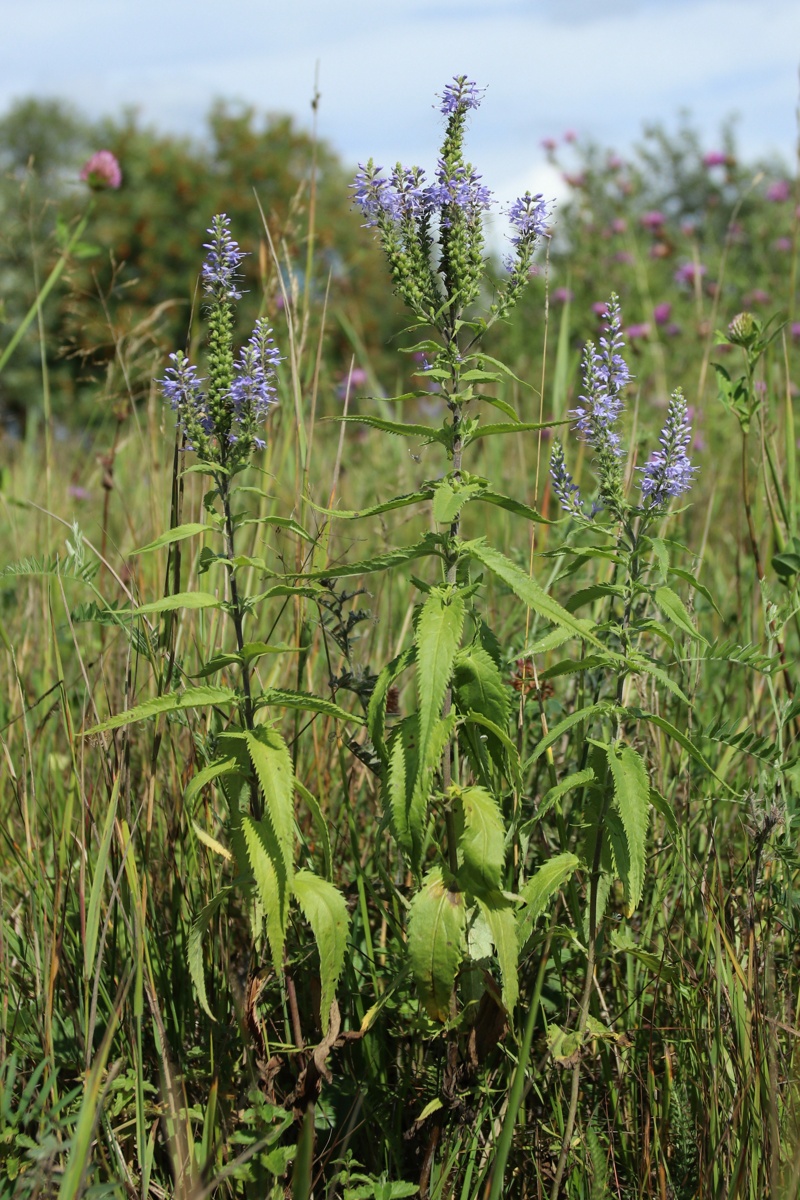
(600, 308)
(652, 220)
(619, 225)
(372, 193)
(408, 196)
(78, 493)
(662, 312)
(563, 295)
(779, 191)
(527, 217)
(783, 244)
(794, 329)
(715, 158)
(549, 144)
(102, 171)
(624, 256)
(638, 332)
(669, 472)
(221, 267)
(460, 95)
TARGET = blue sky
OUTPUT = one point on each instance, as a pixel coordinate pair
(600, 67)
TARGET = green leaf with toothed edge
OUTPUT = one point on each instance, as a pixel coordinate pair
(438, 636)
(325, 909)
(540, 888)
(632, 797)
(499, 915)
(482, 842)
(193, 697)
(194, 947)
(436, 941)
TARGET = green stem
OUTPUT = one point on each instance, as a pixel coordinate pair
(236, 608)
(47, 287)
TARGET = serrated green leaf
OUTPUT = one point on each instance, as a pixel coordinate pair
(538, 890)
(673, 607)
(178, 534)
(510, 427)
(513, 506)
(194, 947)
(554, 794)
(398, 428)
(695, 583)
(482, 841)
(306, 702)
(438, 635)
(681, 738)
(376, 710)
(272, 764)
(429, 544)
(193, 697)
(324, 907)
(574, 718)
(268, 865)
(530, 593)
(632, 796)
(320, 824)
(376, 509)
(436, 941)
(499, 915)
(222, 766)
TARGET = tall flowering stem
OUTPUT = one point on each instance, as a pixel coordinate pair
(222, 417)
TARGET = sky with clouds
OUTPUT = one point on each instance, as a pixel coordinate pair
(600, 67)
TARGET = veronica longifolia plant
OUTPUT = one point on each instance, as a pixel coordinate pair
(450, 769)
(221, 417)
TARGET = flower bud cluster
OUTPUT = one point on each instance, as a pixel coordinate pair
(222, 421)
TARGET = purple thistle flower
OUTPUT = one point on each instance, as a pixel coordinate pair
(568, 492)
(779, 191)
(460, 95)
(662, 312)
(715, 158)
(652, 220)
(689, 272)
(527, 217)
(669, 472)
(221, 267)
(102, 171)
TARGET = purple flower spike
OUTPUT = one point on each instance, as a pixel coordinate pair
(185, 393)
(221, 267)
(669, 472)
(568, 492)
(461, 94)
(102, 171)
(605, 374)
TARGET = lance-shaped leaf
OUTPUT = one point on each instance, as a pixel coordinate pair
(409, 780)
(324, 907)
(478, 687)
(272, 764)
(193, 697)
(222, 766)
(178, 534)
(436, 941)
(268, 866)
(482, 841)
(306, 702)
(376, 711)
(194, 948)
(538, 890)
(530, 593)
(673, 607)
(438, 636)
(179, 600)
(429, 544)
(632, 796)
(499, 914)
